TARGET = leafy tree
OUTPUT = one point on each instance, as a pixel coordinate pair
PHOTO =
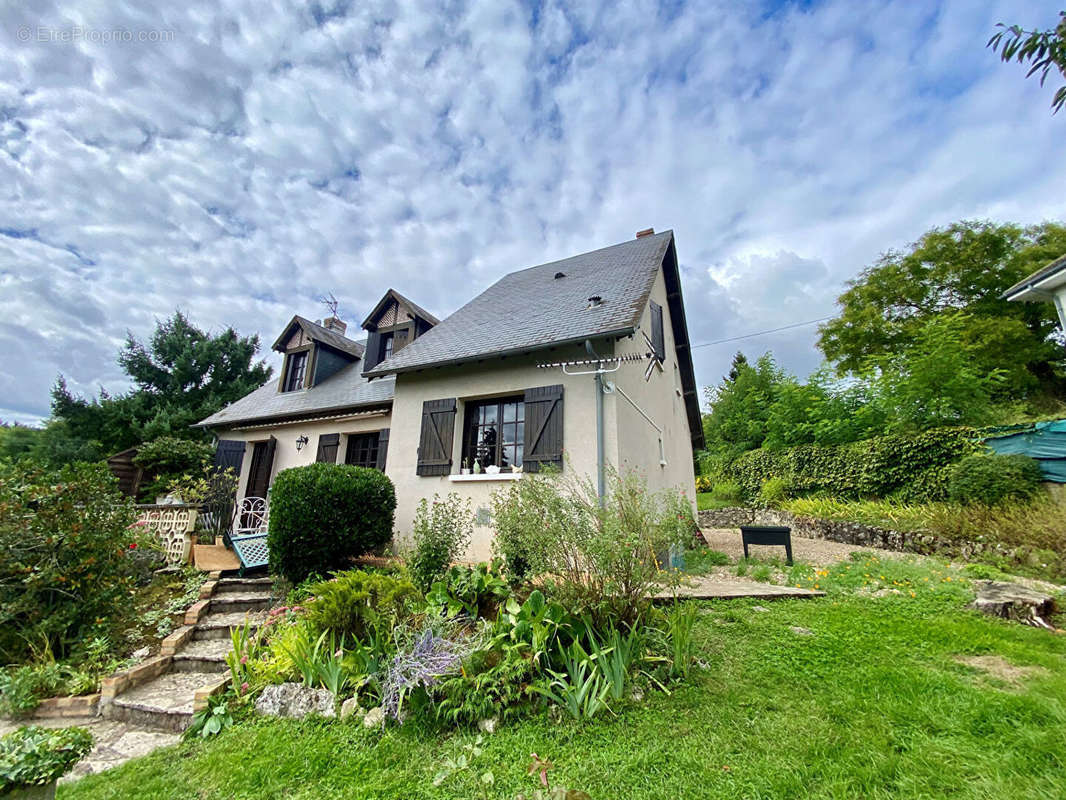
(1044, 50)
(51, 446)
(936, 380)
(964, 267)
(180, 376)
(739, 362)
(740, 408)
(822, 412)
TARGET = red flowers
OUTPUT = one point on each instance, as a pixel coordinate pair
(133, 545)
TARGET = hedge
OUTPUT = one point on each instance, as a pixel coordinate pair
(324, 515)
(915, 468)
(993, 478)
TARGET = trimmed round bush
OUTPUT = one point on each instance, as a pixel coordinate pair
(991, 479)
(324, 515)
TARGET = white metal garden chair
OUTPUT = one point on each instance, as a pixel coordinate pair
(250, 540)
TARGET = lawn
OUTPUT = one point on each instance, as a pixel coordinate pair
(862, 693)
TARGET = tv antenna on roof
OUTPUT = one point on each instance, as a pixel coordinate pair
(331, 303)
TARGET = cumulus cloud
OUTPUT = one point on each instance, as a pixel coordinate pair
(238, 160)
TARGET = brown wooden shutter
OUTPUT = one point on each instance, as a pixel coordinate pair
(372, 356)
(328, 444)
(383, 447)
(435, 442)
(544, 428)
(658, 340)
(262, 466)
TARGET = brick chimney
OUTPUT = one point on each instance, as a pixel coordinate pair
(335, 325)
(645, 232)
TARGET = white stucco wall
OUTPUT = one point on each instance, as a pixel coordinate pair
(660, 398)
(286, 454)
(473, 382)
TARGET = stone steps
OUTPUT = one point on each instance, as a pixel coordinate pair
(217, 626)
(239, 601)
(161, 695)
(164, 703)
(204, 655)
(262, 586)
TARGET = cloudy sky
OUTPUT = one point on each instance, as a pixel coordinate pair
(238, 160)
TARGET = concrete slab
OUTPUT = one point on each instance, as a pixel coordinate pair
(715, 587)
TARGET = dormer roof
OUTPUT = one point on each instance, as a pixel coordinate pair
(320, 334)
(372, 320)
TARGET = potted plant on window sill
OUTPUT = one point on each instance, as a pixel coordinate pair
(32, 759)
(465, 469)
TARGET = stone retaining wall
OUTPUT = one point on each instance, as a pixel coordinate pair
(851, 532)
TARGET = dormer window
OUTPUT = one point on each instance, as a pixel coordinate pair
(294, 373)
(387, 340)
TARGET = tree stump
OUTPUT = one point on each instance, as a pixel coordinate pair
(1013, 601)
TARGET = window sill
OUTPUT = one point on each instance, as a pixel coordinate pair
(477, 478)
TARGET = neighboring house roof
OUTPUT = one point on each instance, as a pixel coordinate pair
(321, 334)
(1049, 277)
(346, 389)
(532, 309)
(392, 294)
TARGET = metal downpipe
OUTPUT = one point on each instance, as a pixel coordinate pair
(601, 480)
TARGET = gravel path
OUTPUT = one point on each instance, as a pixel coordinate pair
(819, 552)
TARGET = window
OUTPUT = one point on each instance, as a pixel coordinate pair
(386, 346)
(294, 377)
(362, 450)
(494, 432)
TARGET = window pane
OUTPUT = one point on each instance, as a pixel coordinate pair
(510, 412)
(518, 452)
(490, 413)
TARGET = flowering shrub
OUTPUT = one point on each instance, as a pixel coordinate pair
(65, 568)
(419, 667)
(442, 532)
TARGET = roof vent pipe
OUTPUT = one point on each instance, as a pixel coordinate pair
(595, 300)
(560, 275)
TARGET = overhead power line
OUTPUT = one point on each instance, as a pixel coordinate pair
(761, 333)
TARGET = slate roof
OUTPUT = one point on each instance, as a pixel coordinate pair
(345, 389)
(1042, 274)
(322, 334)
(532, 309)
(392, 294)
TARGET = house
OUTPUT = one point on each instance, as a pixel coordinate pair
(583, 363)
(1046, 285)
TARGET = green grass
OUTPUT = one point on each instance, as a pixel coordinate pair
(702, 560)
(705, 501)
(872, 704)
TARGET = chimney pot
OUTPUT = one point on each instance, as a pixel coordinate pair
(335, 325)
(645, 232)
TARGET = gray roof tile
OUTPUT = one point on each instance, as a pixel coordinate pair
(345, 389)
(532, 309)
